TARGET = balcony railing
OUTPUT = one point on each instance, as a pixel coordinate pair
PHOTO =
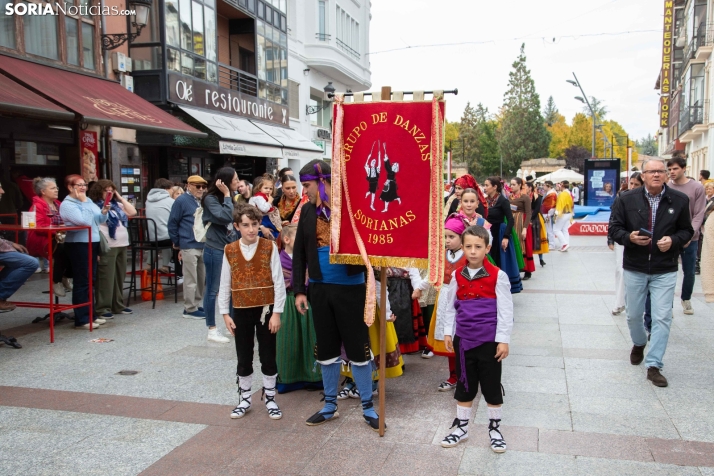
(704, 37)
(692, 116)
(323, 37)
(237, 80)
(344, 47)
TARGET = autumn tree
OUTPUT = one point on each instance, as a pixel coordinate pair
(559, 136)
(523, 134)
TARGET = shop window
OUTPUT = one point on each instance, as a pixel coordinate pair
(33, 153)
(186, 64)
(7, 26)
(41, 35)
(173, 60)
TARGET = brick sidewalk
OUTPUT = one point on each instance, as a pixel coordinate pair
(573, 404)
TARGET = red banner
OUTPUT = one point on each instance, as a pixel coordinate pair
(388, 157)
(89, 150)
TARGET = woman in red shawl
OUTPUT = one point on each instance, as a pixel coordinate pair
(462, 183)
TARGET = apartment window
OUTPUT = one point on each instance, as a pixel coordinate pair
(322, 20)
(41, 35)
(7, 26)
(347, 32)
(72, 40)
(272, 59)
(191, 32)
(88, 45)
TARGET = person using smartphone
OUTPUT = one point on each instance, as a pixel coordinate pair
(112, 265)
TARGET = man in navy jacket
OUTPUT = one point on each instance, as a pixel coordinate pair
(191, 252)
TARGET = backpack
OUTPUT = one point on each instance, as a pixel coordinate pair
(199, 229)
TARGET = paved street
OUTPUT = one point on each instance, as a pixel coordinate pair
(573, 404)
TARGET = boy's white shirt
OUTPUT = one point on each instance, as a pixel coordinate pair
(441, 303)
(378, 291)
(415, 278)
(276, 271)
(504, 305)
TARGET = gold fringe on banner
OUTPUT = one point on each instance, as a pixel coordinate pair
(379, 261)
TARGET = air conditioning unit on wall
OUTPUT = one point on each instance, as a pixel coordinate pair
(320, 133)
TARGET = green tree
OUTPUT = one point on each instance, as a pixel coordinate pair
(523, 134)
(647, 145)
(599, 108)
(550, 113)
(489, 160)
(559, 136)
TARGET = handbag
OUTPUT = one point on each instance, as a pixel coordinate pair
(104, 247)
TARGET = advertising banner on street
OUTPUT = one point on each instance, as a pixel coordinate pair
(602, 181)
(89, 150)
(387, 182)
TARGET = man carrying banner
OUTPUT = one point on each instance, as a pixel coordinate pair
(337, 296)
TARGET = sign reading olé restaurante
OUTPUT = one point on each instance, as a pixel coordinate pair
(183, 90)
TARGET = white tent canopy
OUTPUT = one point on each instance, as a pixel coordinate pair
(560, 175)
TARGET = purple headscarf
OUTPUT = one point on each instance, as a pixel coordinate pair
(323, 207)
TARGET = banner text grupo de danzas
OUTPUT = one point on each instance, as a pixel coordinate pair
(389, 178)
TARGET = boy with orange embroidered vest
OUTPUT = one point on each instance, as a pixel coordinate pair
(479, 316)
(252, 278)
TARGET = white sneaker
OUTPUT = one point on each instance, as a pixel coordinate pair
(58, 289)
(427, 354)
(618, 310)
(687, 306)
(214, 335)
(179, 281)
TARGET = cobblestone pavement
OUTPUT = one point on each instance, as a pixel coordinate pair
(573, 404)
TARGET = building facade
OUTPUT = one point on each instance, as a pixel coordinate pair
(328, 42)
(692, 87)
(63, 109)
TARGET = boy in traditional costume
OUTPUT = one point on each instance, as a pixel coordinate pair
(252, 278)
(478, 323)
(337, 296)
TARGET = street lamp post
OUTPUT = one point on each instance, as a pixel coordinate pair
(584, 99)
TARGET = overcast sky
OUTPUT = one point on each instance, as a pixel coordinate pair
(620, 70)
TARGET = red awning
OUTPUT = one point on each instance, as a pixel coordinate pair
(15, 98)
(98, 101)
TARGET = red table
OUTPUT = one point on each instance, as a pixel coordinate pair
(52, 306)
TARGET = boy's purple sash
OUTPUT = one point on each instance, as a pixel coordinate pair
(476, 321)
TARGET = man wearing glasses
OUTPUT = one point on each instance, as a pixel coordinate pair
(653, 224)
(191, 252)
(17, 267)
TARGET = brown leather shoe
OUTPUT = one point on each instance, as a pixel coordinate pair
(654, 375)
(6, 306)
(637, 355)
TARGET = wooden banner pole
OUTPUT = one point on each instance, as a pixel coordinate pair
(386, 96)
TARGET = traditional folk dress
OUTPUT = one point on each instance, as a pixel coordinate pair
(521, 208)
(297, 368)
(252, 288)
(539, 235)
(409, 323)
(435, 340)
(478, 315)
(501, 219)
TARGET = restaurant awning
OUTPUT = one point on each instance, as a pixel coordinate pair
(96, 100)
(295, 145)
(15, 99)
(244, 137)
